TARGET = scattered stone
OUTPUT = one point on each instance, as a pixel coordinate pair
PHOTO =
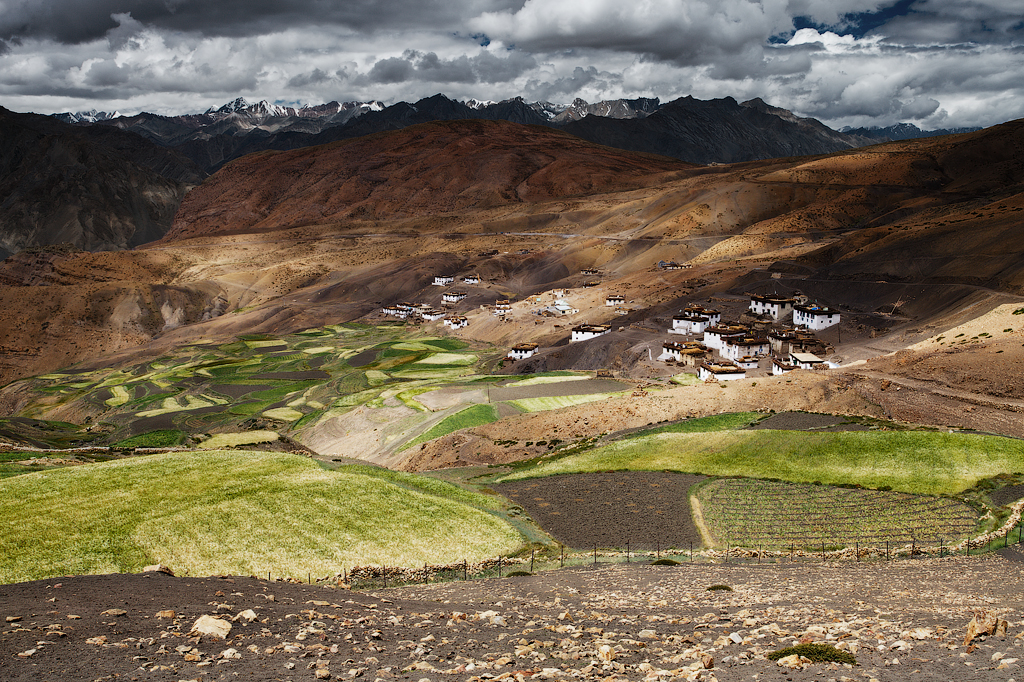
(114, 612)
(248, 616)
(167, 613)
(213, 627)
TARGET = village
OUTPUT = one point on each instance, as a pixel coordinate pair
(767, 335)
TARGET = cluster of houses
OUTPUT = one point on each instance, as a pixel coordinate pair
(741, 348)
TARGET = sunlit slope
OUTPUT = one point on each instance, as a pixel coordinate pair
(238, 513)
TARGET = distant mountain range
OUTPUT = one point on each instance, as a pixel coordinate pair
(101, 180)
(903, 131)
(697, 131)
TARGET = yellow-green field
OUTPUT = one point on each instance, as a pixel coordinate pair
(908, 461)
(237, 512)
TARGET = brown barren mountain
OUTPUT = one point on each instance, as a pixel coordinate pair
(907, 239)
(429, 169)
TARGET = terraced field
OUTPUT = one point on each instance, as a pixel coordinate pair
(753, 513)
(301, 386)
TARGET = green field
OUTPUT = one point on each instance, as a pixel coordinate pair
(236, 512)
(910, 461)
(774, 514)
(463, 419)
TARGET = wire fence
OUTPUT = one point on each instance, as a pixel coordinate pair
(377, 577)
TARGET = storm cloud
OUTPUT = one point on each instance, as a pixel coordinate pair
(937, 63)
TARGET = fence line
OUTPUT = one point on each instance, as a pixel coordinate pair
(371, 577)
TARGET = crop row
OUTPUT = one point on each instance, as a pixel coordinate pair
(749, 512)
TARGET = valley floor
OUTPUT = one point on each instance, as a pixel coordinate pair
(905, 620)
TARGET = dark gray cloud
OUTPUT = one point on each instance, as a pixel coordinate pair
(76, 21)
(856, 62)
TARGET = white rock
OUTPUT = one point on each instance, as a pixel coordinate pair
(213, 627)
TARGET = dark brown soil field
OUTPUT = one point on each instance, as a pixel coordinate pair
(807, 421)
(1010, 493)
(903, 620)
(646, 509)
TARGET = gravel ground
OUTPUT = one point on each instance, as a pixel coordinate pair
(806, 421)
(646, 509)
(903, 621)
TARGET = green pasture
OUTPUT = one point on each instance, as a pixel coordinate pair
(237, 512)
(909, 461)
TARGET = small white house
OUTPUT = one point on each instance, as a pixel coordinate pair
(690, 323)
(806, 361)
(815, 317)
(736, 348)
(715, 336)
(559, 308)
(456, 321)
(432, 315)
(780, 367)
(748, 362)
(471, 279)
(776, 307)
(720, 371)
(585, 332)
(502, 307)
(691, 353)
(614, 300)
(443, 280)
(521, 351)
(395, 311)
(453, 296)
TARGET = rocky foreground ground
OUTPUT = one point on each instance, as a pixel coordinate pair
(903, 620)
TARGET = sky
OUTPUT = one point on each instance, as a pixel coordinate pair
(934, 63)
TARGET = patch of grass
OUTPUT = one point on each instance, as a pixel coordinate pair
(558, 402)
(238, 513)
(548, 379)
(686, 379)
(476, 415)
(664, 562)
(921, 462)
(718, 422)
(233, 440)
(815, 653)
(164, 438)
(284, 414)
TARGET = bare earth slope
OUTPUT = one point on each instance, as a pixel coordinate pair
(903, 238)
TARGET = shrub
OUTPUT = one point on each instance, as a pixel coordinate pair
(719, 588)
(816, 653)
(519, 574)
(664, 562)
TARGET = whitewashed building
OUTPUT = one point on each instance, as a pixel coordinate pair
(720, 371)
(775, 307)
(735, 348)
(690, 353)
(815, 317)
(471, 279)
(806, 361)
(395, 311)
(502, 307)
(453, 296)
(432, 315)
(456, 321)
(780, 367)
(521, 351)
(748, 362)
(716, 335)
(614, 300)
(585, 332)
(443, 280)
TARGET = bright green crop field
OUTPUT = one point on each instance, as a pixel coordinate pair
(237, 512)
